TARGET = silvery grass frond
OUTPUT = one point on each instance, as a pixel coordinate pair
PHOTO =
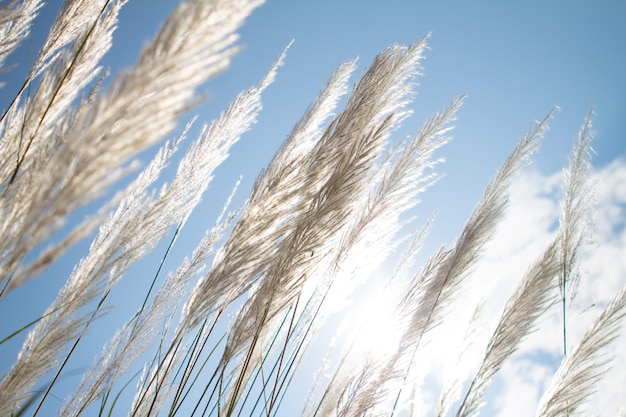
(175, 201)
(530, 300)
(360, 131)
(16, 18)
(274, 189)
(73, 69)
(273, 197)
(148, 225)
(376, 224)
(431, 291)
(582, 368)
(575, 209)
(32, 133)
(195, 170)
(398, 186)
(335, 181)
(76, 19)
(395, 189)
(155, 390)
(336, 212)
(170, 296)
(87, 34)
(45, 344)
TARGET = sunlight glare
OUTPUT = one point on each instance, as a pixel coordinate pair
(377, 328)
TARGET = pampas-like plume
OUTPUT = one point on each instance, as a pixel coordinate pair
(33, 144)
(273, 198)
(585, 365)
(531, 298)
(15, 22)
(205, 29)
(435, 288)
(360, 131)
(135, 337)
(402, 180)
(141, 222)
(577, 199)
(46, 342)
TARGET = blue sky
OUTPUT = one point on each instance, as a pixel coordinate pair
(514, 60)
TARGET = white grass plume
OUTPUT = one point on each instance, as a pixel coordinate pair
(137, 335)
(137, 111)
(360, 130)
(274, 194)
(574, 217)
(529, 301)
(394, 187)
(440, 280)
(15, 21)
(35, 193)
(584, 366)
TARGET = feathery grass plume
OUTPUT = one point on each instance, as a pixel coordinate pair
(575, 207)
(16, 18)
(375, 225)
(136, 335)
(584, 366)
(32, 189)
(75, 20)
(536, 291)
(529, 301)
(335, 181)
(263, 219)
(394, 187)
(155, 391)
(438, 284)
(74, 25)
(194, 174)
